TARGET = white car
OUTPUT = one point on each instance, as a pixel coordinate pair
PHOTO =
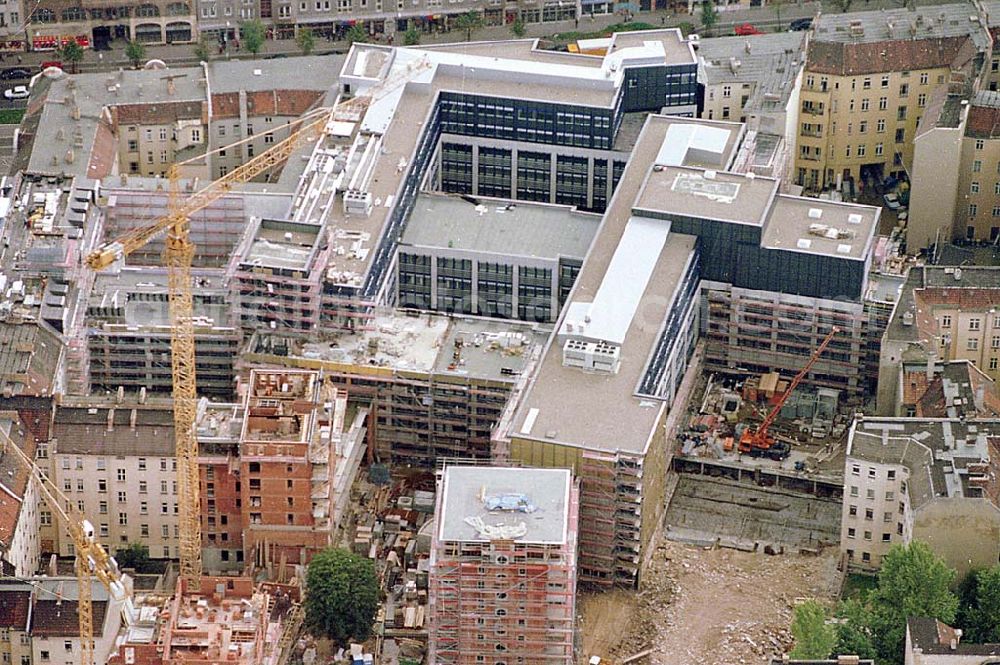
(17, 92)
(892, 201)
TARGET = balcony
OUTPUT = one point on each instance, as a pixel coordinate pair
(813, 110)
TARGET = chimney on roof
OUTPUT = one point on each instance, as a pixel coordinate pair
(111, 419)
(171, 86)
(746, 46)
(70, 156)
(132, 418)
(60, 135)
(74, 112)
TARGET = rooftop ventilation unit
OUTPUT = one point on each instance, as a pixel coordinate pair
(843, 249)
(815, 213)
(804, 243)
(593, 356)
(854, 218)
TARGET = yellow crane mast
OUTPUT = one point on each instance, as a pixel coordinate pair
(92, 560)
(178, 254)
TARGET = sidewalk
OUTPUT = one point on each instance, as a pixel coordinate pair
(765, 16)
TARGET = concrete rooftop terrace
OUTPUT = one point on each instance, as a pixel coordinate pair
(491, 349)
(512, 229)
(544, 519)
(596, 410)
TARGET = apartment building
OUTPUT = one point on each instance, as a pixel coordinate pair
(932, 642)
(944, 314)
(960, 154)
(53, 22)
(55, 627)
(932, 480)
(948, 389)
(502, 581)
(15, 616)
(756, 80)
(491, 257)
(116, 460)
(20, 545)
(867, 83)
(255, 102)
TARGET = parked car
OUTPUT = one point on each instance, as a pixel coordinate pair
(51, 63)
(800, 24)
(15, 73)
(746, 29)
(891, 201)
(17, 92)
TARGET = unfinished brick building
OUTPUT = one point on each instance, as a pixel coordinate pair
(285, 461)
(503, 567)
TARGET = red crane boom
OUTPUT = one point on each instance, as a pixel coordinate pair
(760, 439)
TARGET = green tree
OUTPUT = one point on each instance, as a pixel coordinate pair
(980, 618)
(252, 35)
(709, 15)
(913, 582)
(356, 33)
(342, 596)
(854, 635)
(468, 22)
(411, 37)
(517, 28)
(686, 28)
(72, 53)
(814, 638)
(135, 52)
(135, 555)
(202, 51)
(305, 40)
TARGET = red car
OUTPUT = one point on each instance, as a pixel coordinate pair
(746, 29)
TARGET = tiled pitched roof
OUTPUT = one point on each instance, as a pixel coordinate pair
(51, 618)
(983, 122)
(158, 114)
(14, 609)
(887, 56)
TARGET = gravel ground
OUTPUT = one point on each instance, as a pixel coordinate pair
(712, 607)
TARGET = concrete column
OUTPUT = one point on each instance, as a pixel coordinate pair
(552, 178)
(475, 267)
(590, 181)
(514, 283)
(513, 174)
(554, 296)
(434, 283)
(475, 170)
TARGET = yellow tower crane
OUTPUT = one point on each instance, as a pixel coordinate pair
(92, 560)
(178, 253)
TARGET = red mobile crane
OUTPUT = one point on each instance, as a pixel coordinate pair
(760, 442)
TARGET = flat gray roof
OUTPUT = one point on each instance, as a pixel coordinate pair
(541, 497)
(499, 227)
(595, 410)
(928, 22)
(698, 193)
(816, 226)
(769, 63)
(312, 72)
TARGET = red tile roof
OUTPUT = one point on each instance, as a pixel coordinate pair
(14, 609)
(983, 122)
(847, 59)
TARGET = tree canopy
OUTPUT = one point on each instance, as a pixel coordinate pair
(913, 582)
(709, 15)
(342, 596)
(356, 33)
(980, 617)
(306, 40)
(468, 22)
(72, 53)
(411, 37)
(253, 33)
(135, 52)
(814, 637)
